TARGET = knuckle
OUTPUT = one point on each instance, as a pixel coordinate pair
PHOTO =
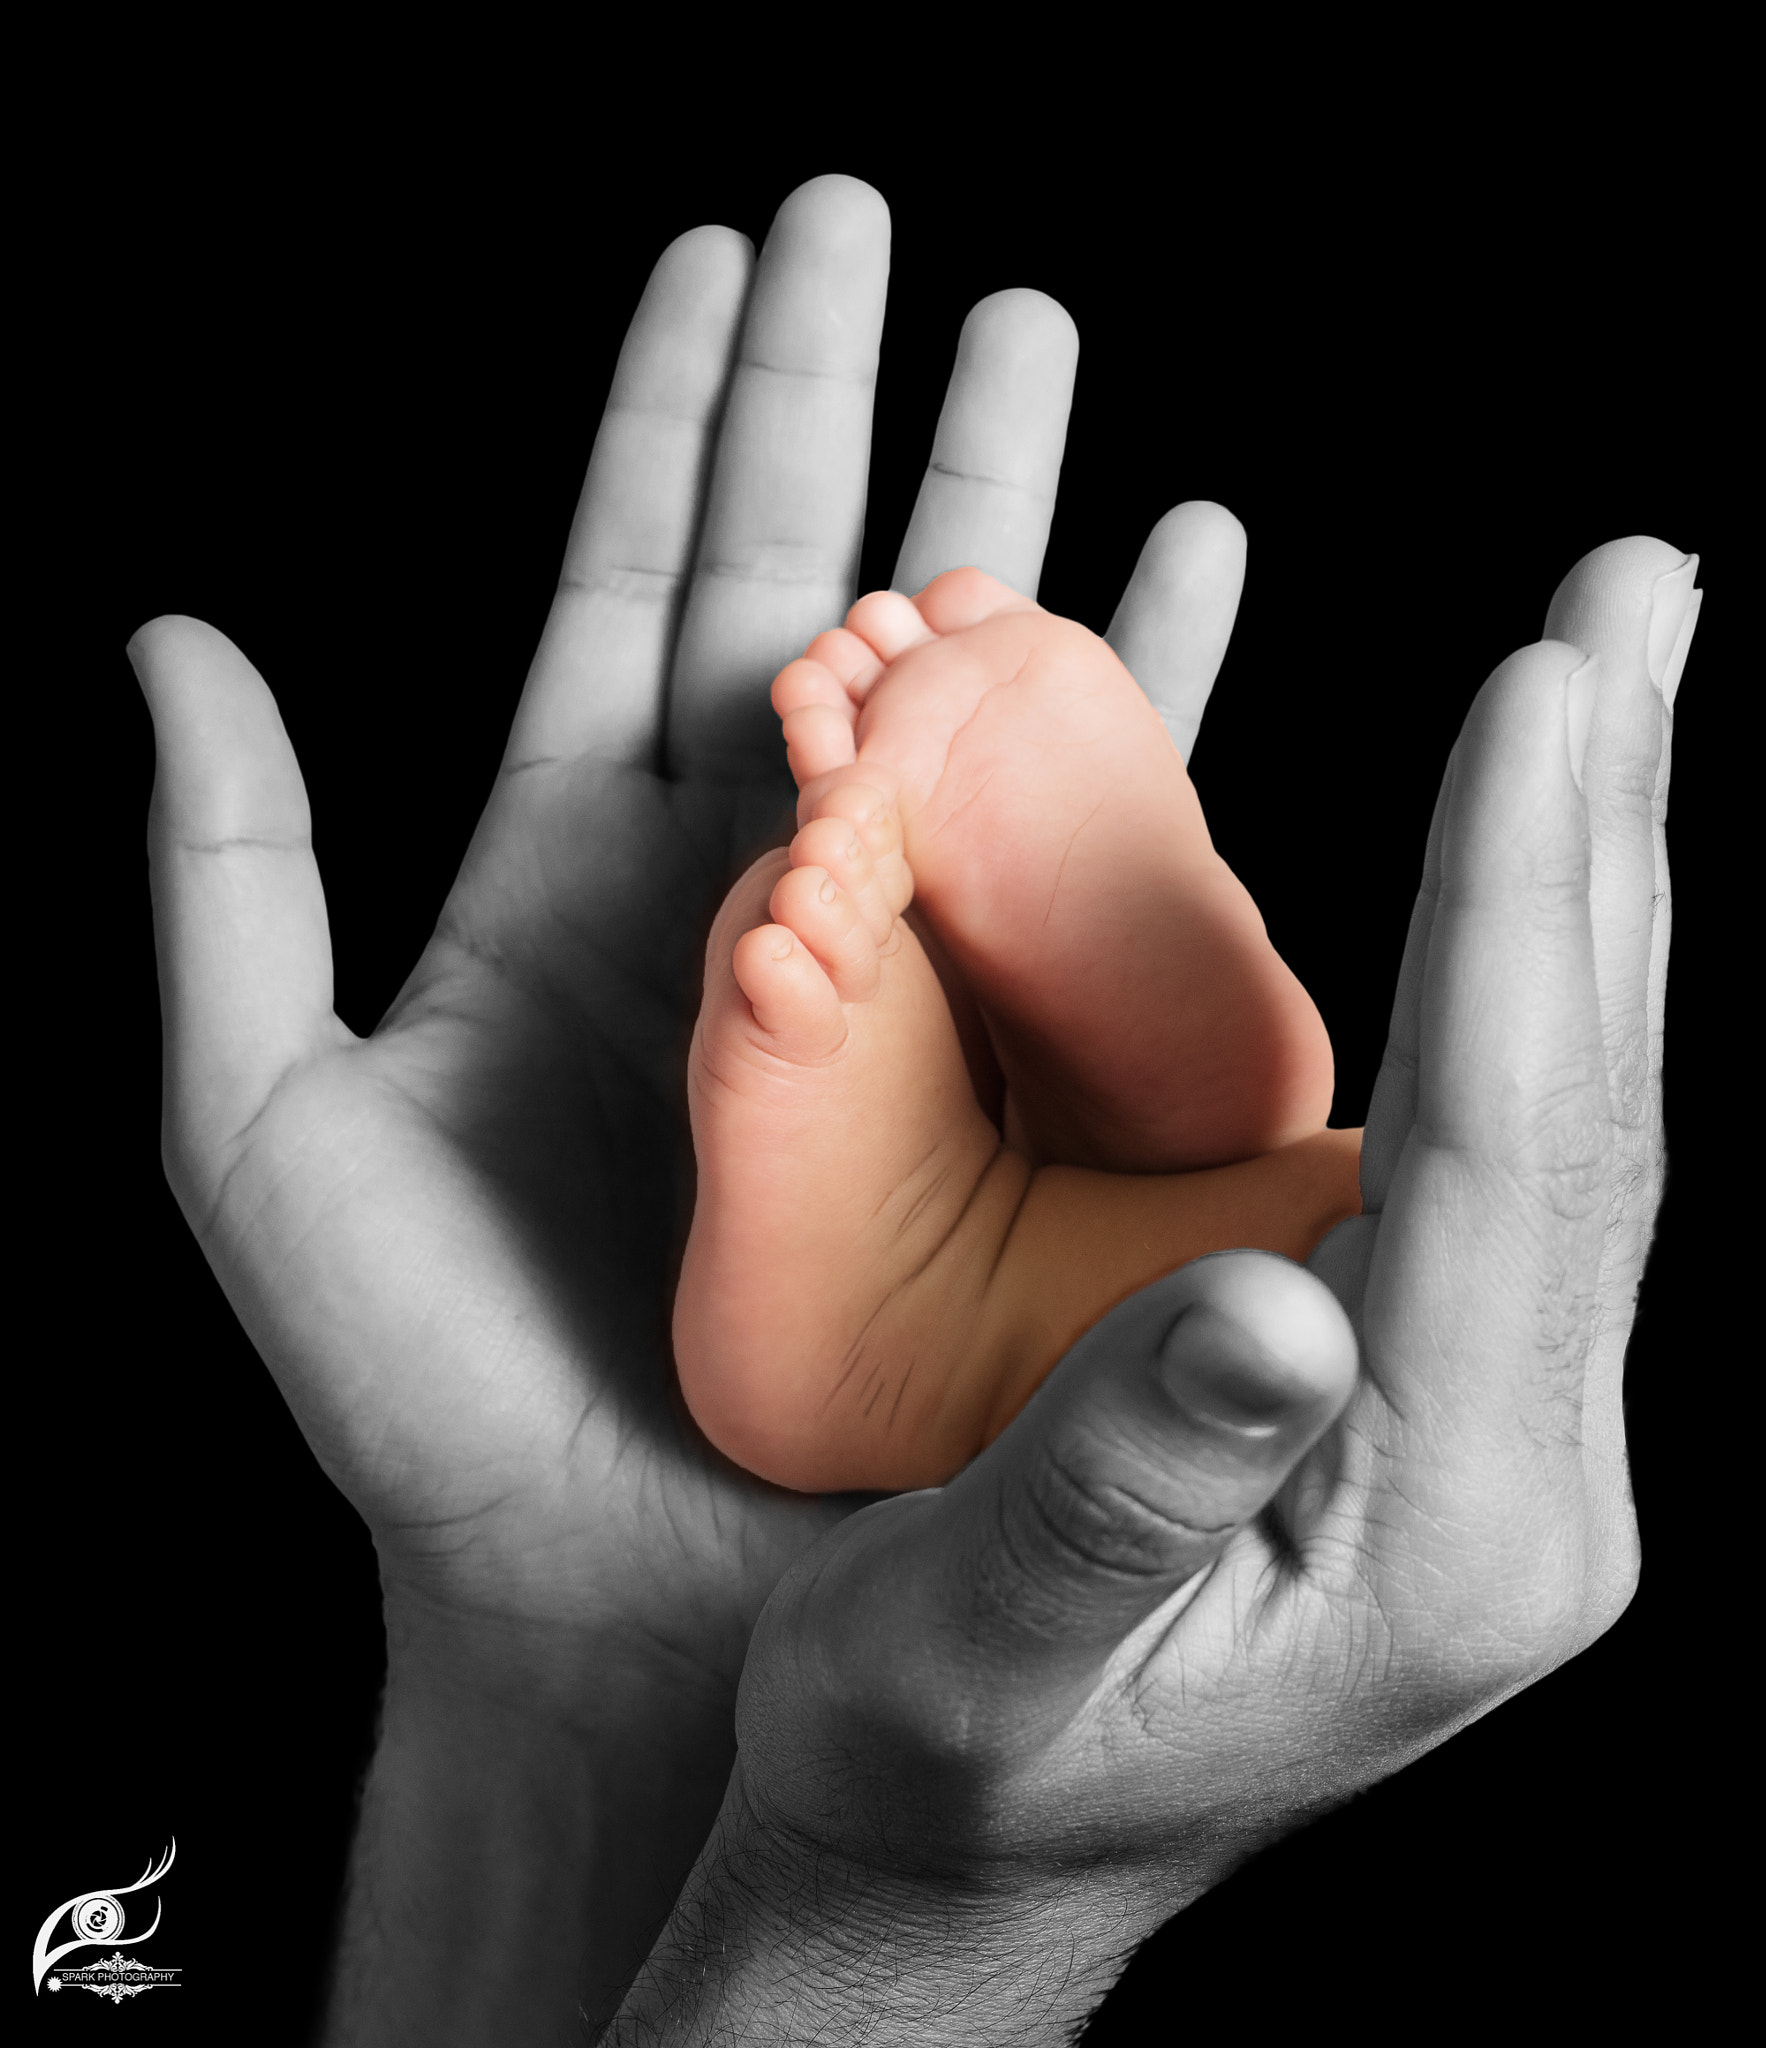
(1560, 1148)
(1100, 1519)
(1627, 781)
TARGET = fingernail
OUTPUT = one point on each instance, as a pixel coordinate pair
(1682, 642)
(1217, 1373)
(1579, 711)
(1671, 596)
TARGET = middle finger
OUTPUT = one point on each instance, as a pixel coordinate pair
(784, 514)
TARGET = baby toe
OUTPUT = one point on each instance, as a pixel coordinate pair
(852, 661)
(808, 681)
(818, 740)
(837, 845)
(810, 903)
(889, 623)
(964, 597)
(793, 1001)
(878, 824)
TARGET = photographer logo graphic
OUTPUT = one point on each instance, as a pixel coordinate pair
(97, 1921)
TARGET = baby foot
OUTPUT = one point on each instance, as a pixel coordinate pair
(874, 1283)
(851, 1193)
(1140, 1015)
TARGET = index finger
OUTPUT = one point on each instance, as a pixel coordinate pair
(596, 684)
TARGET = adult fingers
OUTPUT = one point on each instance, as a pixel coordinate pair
(1167, 1428)
(1632, 604)
(778, 552)
(1176, 616)
(1342, 1259)
(1622, 603)
(1392, 1110)
(239, 915)
(1475, 1320)
(596, 685)
(988, 494)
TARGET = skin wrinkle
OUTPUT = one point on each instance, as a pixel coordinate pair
(624, 581)
(591, 1410)
(1066, 855)
(923, 1200)
(627, 411)
(778, 1064)
(918, 1167)
(988, 1601)
(906, 1279)
(862, 379)
(1179, 1525)
(431, 1005)
(454, 930)
(753, 572)
(464, 1519)
(1519, 1178)
(1005, 1239)
(957, 732)
(998, 483)
(974, 798)
(855, 1354)
(208, 1231)
(247, 842)
(1284, 1549)
(1073, 1545)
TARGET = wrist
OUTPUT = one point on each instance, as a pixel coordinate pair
(536, 1797)
(776, 1937)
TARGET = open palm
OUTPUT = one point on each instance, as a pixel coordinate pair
(451, 1240)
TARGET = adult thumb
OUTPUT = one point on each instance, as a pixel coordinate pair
(1167, 1428)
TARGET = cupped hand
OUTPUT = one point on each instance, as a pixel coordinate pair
(451, 1239)
(1211, 1581)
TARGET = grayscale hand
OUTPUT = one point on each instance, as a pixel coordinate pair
(451, 1239)
(1210, 1581)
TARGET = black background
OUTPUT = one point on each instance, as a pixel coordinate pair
(335, 395)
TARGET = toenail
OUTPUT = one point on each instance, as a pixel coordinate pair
(782, 947)
(827, 892)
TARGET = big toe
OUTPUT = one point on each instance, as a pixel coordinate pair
(888, 623)
(794, 1006)
(964, 597)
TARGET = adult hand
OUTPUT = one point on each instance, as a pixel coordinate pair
(991, 1735)
(451, 1240)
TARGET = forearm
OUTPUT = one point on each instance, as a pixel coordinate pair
(528, 1819)
(772, 1943)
